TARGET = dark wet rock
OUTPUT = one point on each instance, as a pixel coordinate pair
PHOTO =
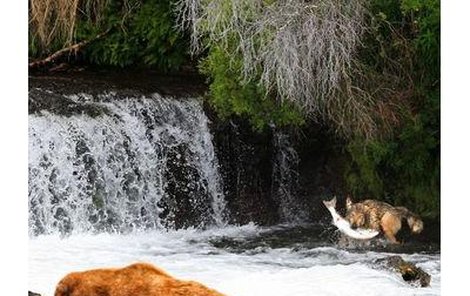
(321, 168)
(409, 271)
(245, 158)
(126, 83)
(52, 93)
(184, 204)
(45, 100)
(248, 159)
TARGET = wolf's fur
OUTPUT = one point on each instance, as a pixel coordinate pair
(138, 279)
(381, 216)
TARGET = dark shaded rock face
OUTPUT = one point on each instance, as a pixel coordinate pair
(130, 83)
(257, 184)
(320, 170)
(245, 159)
(49, 92)
(184, 204)
(42, 99)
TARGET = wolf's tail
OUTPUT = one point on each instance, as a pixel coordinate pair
(414, 221)
(404, 212)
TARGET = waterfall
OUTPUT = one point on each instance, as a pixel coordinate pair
(285, 179)
(134, 163)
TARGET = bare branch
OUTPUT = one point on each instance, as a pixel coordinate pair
(303, 51)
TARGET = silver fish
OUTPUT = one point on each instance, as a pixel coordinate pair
(344, 226)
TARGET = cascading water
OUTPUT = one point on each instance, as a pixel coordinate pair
(142, 162)
(285, 183)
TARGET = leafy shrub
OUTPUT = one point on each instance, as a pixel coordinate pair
(141, 34)
(231, 95)
(404, 168)
(145, 36)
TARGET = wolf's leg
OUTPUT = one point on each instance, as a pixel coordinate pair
(391, 237)
(391, 224)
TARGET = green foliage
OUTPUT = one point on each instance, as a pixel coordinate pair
(143, 36)
(362, 174)
(34, 47)
(299, 51)
(425, 18)
(230, 95)
(37, 50)
(404, 169)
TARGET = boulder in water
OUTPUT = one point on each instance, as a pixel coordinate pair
(409, 272)
(137, 279)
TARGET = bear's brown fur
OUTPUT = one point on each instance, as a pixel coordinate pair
(139, 279)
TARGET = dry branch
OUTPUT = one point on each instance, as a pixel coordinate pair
(62, 52)
(302, 51)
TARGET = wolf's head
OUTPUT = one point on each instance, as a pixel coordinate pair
(356, 218)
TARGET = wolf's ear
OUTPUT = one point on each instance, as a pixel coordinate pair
(348, 202)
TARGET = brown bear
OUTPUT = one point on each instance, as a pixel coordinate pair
(139, 279)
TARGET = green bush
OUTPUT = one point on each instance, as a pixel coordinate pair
(404, 168)
(143, 37)
(231, 95)
(141, 34)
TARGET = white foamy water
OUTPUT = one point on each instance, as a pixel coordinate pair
(200, 255)
(124, 168)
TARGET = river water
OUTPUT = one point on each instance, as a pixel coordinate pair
(243, 260)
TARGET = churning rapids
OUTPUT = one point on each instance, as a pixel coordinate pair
(136, 179)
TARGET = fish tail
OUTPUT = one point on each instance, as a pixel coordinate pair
(330, 203)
